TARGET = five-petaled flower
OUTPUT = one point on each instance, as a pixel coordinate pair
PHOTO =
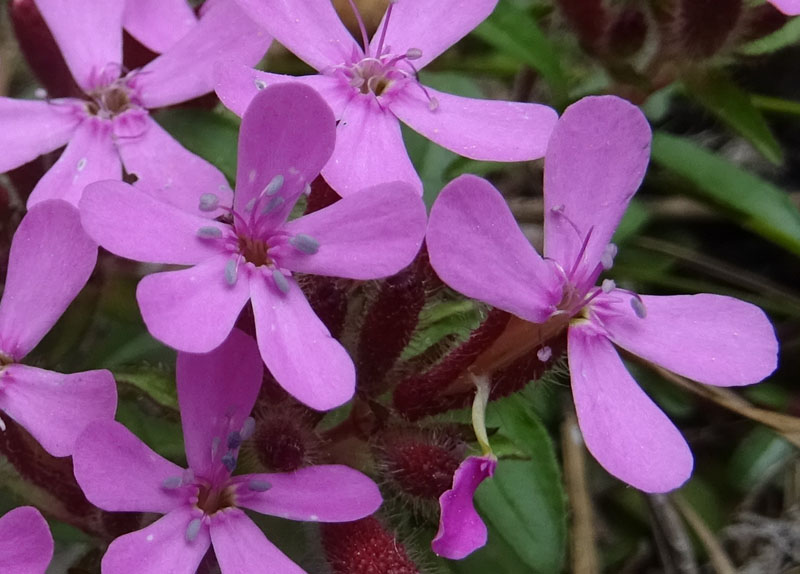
(50, 261)
(788, 7)
(26, 545)
(286, 136)
(594, 164)
(373, 87)
(203, 504)
(111, 127)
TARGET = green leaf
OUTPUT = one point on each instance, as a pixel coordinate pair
(525, 501)
(157, 383)
(513, 31)
(734, 107)
(211, 135)
(757, 456)
(757, 204)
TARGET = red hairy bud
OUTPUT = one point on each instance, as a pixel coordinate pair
(704, 27)
(588, 18)
(365, 547)
(627, 33)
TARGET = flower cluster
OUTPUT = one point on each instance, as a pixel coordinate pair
(268, 271)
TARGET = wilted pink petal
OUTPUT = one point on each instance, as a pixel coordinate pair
(461, 530)
(26, 545)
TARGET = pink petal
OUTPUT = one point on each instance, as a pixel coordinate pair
(298, 349)
(623, 429)
(158, 24)
(50, 261)
(594, 164)
(788, 7)
(186, 71)
(461, 530)
(431, 26)
(712, 339)
(237, 85)
(118, 472)
(370, 234)
(323, 493)
(161, 548)
(32, 128)
(369, 150)
(89, 34)
(131, 223)
(193, 309)
(310, 29)
(490, 130)
(216, 392)
(172, 173)
(288, 131)
(26, 545)
(476, 247)
(54, 407)
(90, 156)
(242, 548)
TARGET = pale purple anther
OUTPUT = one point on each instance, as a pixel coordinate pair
(461, 529)
(110, 129)
(203, 505)
(287, 135)
(373, 86)
(26, 545)
(50, 261)
(594, 164)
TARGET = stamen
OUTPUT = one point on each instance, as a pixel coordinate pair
(231, 271)
(248, 428)
(638, 307)
(275, 185)
(209, 202)
(361, 26)
(209, 232)
(193, 529)
(413, 53)
(172, 482)
(607, 259)
(229, 461)
(259, 485)
(379, 50)
(234, 440)
(250, 205)
(304, 243)
(214, 447)
(544, 354)
(280, 280)
(608, 285)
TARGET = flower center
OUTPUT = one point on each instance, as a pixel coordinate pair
(254, 250)
(211, 500)
(110, 101)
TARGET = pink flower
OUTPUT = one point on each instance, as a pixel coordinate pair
(374, 87)
(203, 504)
(26, 545)
(50, 261)
(286, 136)
(111, 128)
(461, 530)
(595, 161)
(788, 7)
